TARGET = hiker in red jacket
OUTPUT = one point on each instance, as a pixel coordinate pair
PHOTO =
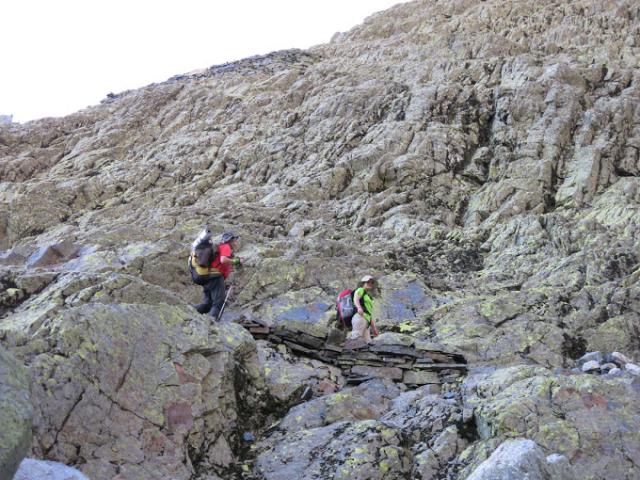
(213, 288)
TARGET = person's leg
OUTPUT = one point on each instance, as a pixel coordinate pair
(217, 296)
(205, 305)
(359, 324)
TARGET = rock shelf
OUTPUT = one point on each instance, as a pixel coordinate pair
(394, 356)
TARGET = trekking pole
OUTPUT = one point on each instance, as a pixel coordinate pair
(224, 304)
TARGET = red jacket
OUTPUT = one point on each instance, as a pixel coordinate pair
(224, 250)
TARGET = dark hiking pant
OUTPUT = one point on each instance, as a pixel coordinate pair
(213, 296)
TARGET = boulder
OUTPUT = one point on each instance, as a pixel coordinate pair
(520, 459)
(10, 258)
(31, 469)
(440, 457)
(620, 359)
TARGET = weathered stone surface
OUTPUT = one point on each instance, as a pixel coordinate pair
(31, 469)
(11, 258)
(394, 339)
(620, 358)
(444, 449)
(15, 413)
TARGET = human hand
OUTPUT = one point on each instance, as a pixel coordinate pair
(237, 261)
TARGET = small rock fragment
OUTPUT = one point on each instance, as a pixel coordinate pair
(589, 357)
(620, 359)
(632, 368)
(590, 366)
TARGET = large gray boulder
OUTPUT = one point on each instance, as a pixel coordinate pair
(31, 469)
(15, 413)
(522, 459)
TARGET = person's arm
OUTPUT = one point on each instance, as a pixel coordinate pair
(373, 327)
(226, 256)
(356, 302)
(235, 261)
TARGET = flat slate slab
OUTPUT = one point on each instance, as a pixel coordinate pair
(391, 373)
(420, 378)
(395, 356)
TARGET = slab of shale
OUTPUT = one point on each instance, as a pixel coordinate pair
(394, 356)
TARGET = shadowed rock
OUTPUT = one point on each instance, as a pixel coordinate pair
(15, 414)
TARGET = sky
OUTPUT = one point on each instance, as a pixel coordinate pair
(60, 56)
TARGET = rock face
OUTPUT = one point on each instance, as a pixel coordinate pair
(482, 161)
(15, 414)
(133, 389)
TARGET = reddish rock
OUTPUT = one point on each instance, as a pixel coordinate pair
(179, 416)
(53, 255)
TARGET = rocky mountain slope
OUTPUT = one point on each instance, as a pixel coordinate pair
(481, 158)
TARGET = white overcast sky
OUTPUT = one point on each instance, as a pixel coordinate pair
(60, 56)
